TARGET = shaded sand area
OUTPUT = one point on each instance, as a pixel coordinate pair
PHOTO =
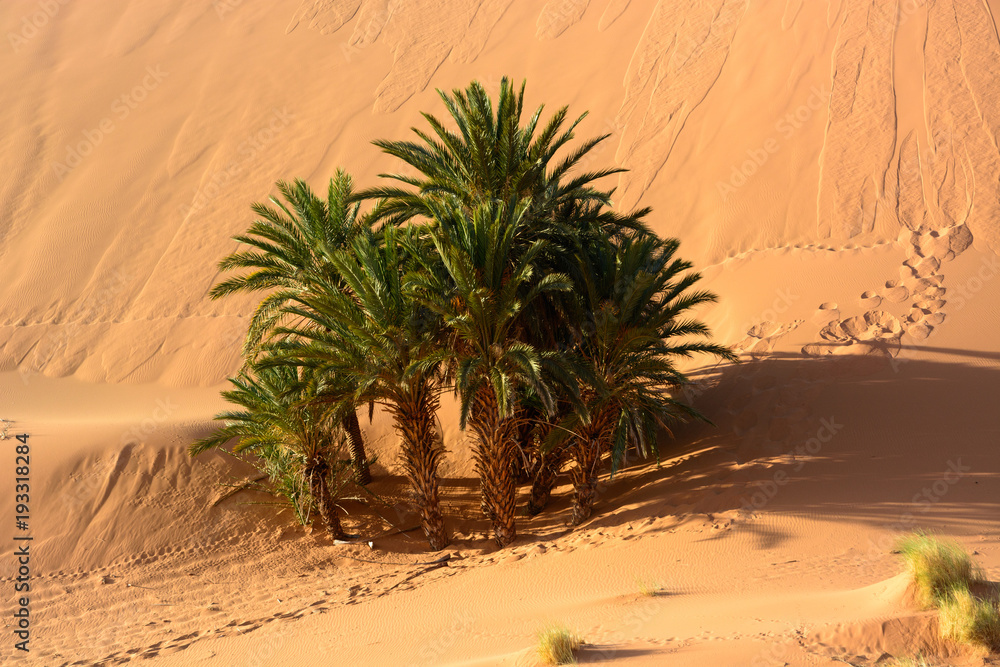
(832, 167)
(756, 540)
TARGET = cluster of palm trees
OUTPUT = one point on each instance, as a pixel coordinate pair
(499, 272)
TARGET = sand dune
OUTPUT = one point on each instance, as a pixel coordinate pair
(832, 168)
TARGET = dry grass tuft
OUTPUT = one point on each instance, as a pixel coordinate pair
(970, 620)
(557, 645)
(648, 588)
(942, 573)
(938, 567)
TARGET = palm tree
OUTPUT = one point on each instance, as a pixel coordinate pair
(289, 254)
(372, 337)
(494, 157)
(639, 295)
(279, 413)
(480, 295)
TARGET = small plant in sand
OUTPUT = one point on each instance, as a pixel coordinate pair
(937, 566)
(557, 645)
(970, 620)
(648, 587)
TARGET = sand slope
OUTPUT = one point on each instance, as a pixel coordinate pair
(832, 167)
(138, 136)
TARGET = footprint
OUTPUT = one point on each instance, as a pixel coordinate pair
(871, 299)
(930, 305)
(826, 313)
(895, 292)
(920, 331)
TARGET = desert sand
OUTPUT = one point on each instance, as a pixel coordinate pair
(832, 167)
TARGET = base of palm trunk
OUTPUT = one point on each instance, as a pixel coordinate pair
(539, 499)
(493, 452)
(499, 505)
(433, 524)
(333, 526)
(325, 505)
(583, 502)
(544, 481)
(541, 492)
(504, 534)
(501, 517)
(362, 472)
(331, 518)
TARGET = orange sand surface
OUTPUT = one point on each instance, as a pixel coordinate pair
(831, 165)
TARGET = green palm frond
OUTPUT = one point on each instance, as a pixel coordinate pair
(290, 247)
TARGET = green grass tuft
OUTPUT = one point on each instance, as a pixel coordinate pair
(938, 567)
(969, 620)
(557, 645)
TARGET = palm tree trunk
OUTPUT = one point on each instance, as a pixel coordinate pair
(316, 473)
(544, 468)
(546, 471)
(587, 450)
(492, 453)
(527, 425)
(422, 451)
(357, 445)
